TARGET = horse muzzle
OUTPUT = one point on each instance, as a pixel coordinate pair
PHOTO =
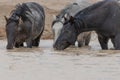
(61, 46)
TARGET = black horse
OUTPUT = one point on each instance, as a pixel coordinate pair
(26, 24)
(57, 24)
(102, 17)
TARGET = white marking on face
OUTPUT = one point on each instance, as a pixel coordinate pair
(57, 30)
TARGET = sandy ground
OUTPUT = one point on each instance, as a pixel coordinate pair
(52, 7)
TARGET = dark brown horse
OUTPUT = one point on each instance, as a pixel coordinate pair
(102, 17)
(26, 24)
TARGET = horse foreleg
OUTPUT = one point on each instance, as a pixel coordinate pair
(28, 28)
(29, 42)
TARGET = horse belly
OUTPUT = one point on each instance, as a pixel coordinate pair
(37, 27)
(37, 31)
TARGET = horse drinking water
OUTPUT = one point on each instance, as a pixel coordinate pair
(26, 24)
(59, 20)
(102, 17)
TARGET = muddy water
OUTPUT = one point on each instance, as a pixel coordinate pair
(45, 63)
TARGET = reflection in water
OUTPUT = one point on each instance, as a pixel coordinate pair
(45, 63)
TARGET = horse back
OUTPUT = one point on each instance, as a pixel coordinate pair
(36, 16)
(36, 9)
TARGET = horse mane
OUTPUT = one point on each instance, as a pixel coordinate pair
(14, 10)
(79, 21)
(79, 18)
(25, 7)
(89, 9)
(92, 7)
(20, 12)
(15, 13)
(65, 10)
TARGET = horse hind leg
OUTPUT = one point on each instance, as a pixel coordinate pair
(17, 45)
(80, 40)
(116, 42)
(29, 42)
(103, 41)
(80, 43)
(36, 41)
(87, 39)
(21, 45)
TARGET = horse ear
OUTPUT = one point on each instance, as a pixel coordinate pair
(71, 19)
(54, 17)
(6, 18)
(63, 20)
(67, 16)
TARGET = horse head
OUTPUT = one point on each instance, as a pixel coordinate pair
(11, 29)
(67, 36)
(11, 25)
(57, 25)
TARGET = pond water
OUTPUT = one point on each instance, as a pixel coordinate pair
(45, 63)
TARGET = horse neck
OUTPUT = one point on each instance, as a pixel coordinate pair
(84, 19)
(15, 14)
(87, 10)
(82, 26)
(14, 17)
